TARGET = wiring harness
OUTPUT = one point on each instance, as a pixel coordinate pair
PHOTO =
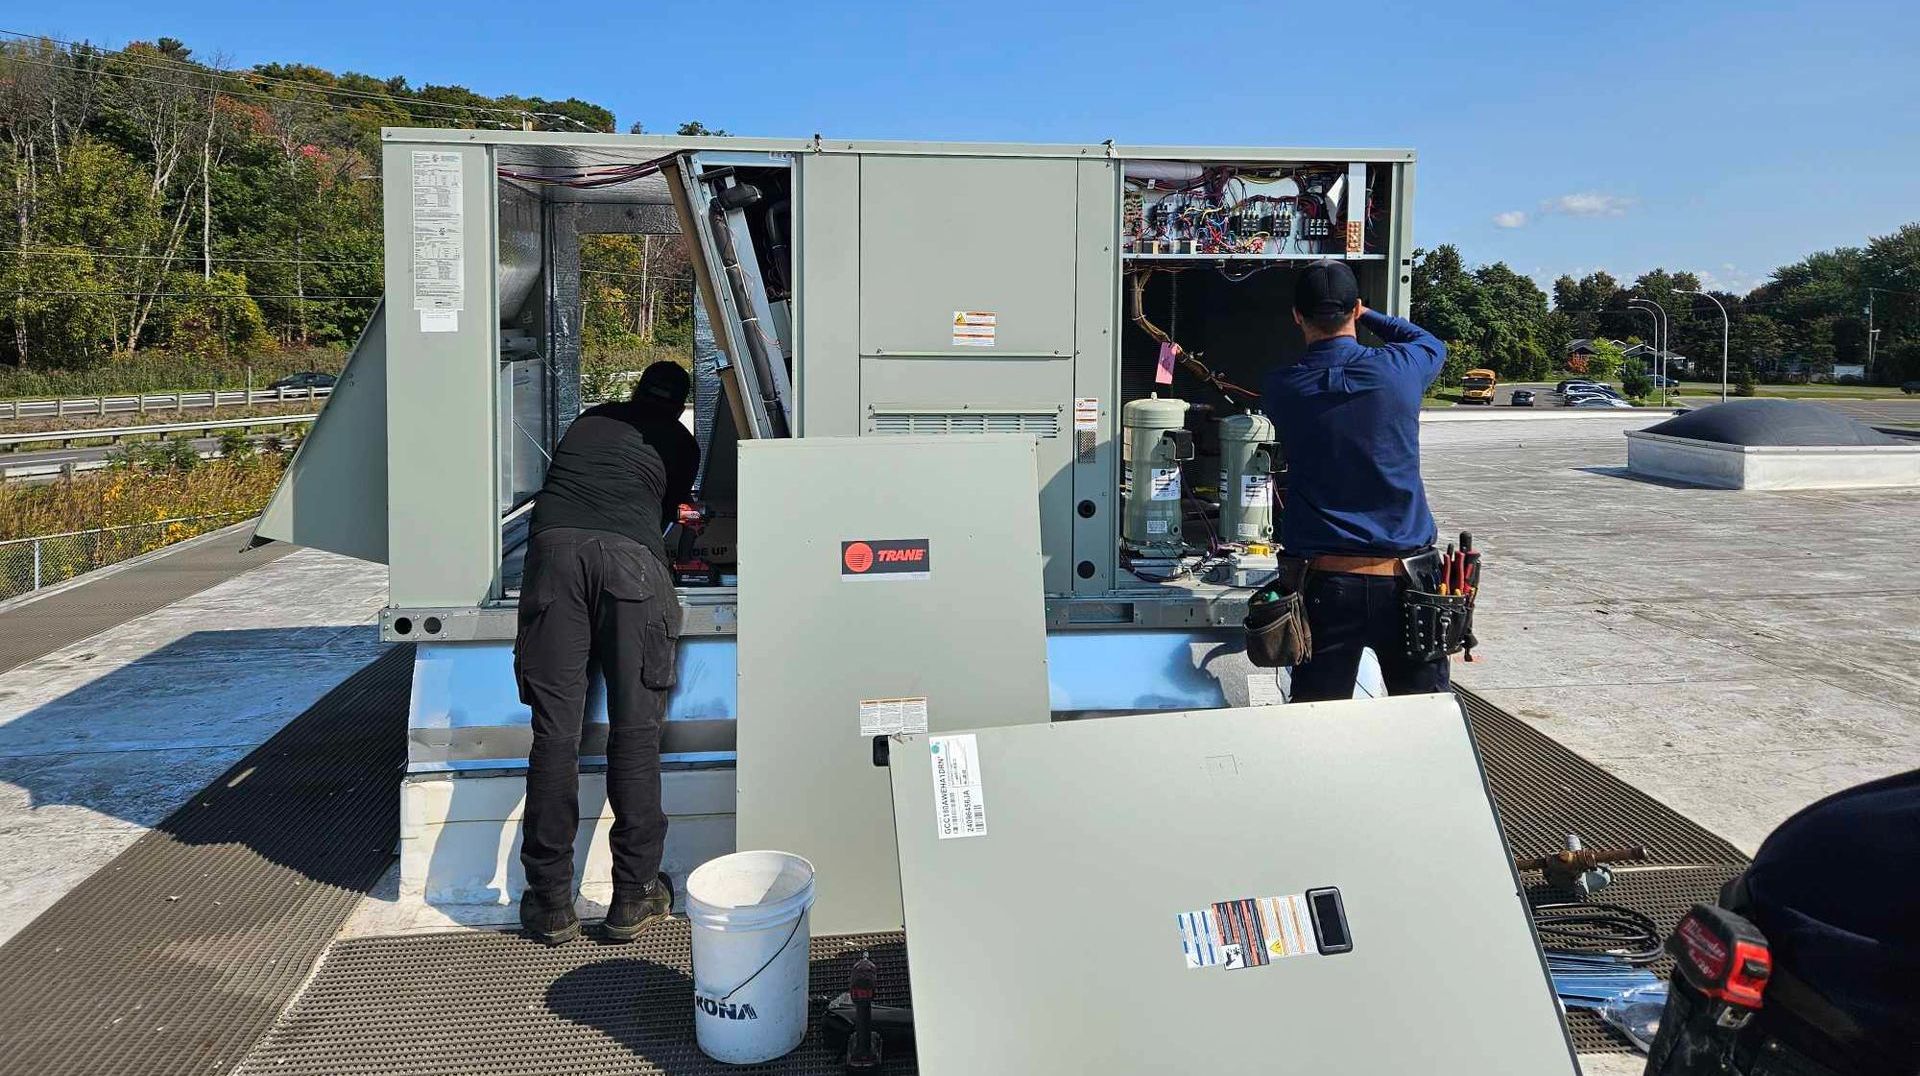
(1594, 927)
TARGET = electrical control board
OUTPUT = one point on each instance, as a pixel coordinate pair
(1190, 210)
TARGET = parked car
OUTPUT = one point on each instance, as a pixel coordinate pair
(1910, 387)
(309, 379)
(1661, 381)
(1601, 401)
(1580, 396)
(1571, 382)
(1522, 398)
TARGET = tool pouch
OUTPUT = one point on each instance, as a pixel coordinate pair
(1277, 632)
(1436, 625)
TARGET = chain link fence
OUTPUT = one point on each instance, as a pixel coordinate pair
(28, 564)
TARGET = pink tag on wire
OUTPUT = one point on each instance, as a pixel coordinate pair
(1163, 373)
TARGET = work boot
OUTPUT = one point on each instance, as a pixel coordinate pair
(632, 912)
(549, 917)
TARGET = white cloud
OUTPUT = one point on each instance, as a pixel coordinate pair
(1588, 204)
(1512, 218)
(1731, 278)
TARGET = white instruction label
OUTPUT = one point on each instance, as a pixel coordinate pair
(1164, 484)
(439, 321)
(439, 235)
(959, 808)
(1263, 688)
(887, 717)
(1253, 490)
(974, 328)
(1157, 526)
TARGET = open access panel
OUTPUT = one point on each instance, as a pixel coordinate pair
(1315, 888)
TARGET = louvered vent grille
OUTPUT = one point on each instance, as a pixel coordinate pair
(1038, 423)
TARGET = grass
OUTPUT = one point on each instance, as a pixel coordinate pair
(141, 491)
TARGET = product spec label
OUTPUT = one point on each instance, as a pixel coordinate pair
(439, 241)
(1164, 484)
(959, 806)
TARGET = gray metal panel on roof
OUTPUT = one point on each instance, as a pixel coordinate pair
(334, 494)
(1047, 942)
(967, 636)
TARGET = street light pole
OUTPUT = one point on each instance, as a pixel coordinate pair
(1663, 342)
(1726, 331)
(1656, 337)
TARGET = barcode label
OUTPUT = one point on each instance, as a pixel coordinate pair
(959, 807)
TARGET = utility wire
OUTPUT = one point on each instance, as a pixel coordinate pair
(162, 63)
(194, 257)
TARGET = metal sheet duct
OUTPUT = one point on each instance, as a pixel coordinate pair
(519, 250)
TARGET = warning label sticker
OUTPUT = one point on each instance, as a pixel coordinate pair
(1247, 933)
(1164, 484)
(959, 807)
(1086, 414)
(974, 328)
(896, 559)
(888, 717)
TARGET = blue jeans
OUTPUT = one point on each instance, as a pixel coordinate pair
(1347, 613)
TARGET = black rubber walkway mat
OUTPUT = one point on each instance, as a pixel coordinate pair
(178, 955)
(1545, 792)
(484, 1002)
(40, 627)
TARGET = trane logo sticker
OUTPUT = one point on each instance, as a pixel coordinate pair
(886, 558)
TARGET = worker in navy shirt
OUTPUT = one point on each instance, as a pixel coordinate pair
(1348, 416)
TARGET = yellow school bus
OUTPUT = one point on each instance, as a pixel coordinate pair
(1477, 387)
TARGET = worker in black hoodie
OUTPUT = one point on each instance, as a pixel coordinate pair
(598, 593)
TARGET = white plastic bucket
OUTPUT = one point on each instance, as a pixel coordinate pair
(749, 916)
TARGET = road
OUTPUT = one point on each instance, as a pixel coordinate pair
(1893, 411)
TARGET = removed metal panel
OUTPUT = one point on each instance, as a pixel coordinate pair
(1044, 922)
(334, 494)
(886, 580)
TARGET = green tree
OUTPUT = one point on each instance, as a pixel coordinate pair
(1634, 382)
(1606, 360)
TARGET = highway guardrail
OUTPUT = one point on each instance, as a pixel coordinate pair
(155, 401)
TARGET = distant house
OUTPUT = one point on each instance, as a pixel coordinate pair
(1583, 349)
(1676, 364)
(1849, 371)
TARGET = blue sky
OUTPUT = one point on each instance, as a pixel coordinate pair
(1728, 138)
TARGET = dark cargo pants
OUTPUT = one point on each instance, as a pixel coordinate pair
(594, 600)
